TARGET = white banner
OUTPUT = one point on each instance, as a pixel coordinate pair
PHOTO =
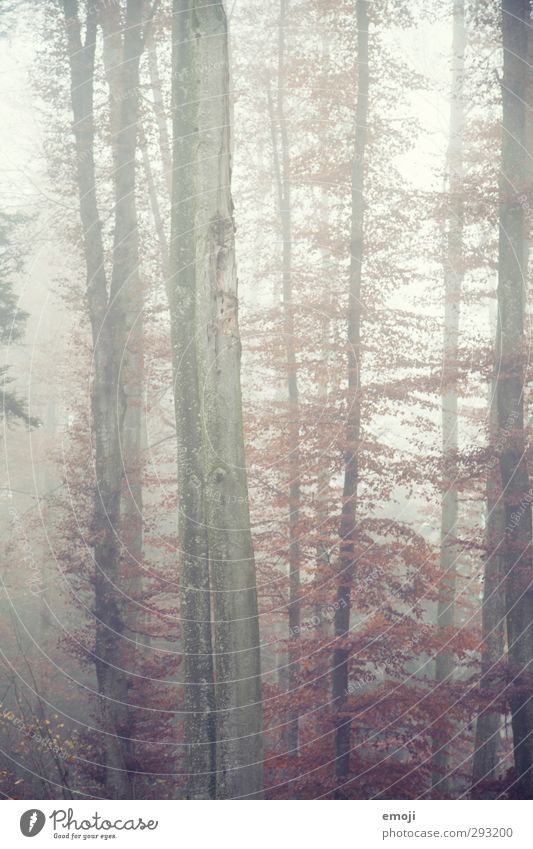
(287, 825)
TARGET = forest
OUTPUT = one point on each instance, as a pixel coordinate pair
(266, 399)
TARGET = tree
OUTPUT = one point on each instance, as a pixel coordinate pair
(12, 323)
(453, 279)
(281, 151)
(510, 386)
(108, 313)
(492, 625)
(121, 48)
(182, 289)
(346, 564)
(210, 422)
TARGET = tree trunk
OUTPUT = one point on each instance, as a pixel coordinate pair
(121, 52)
(195, 601)
(159, 107)
(492, 621)
(324, 473)
(292, 395)
(281, 154)
(154, 202)
(453, 281)
(341, 655)
(237, 652)
(510, 392)
(108, 392)
(215, 532)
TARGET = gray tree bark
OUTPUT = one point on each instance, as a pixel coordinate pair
(214, 483)
(453, 281)
(237, 652)
(109, 323)
(159, 105)
(510, 392)
(346, 564)
(282, 166)
(195, 598)
(488, 723)
(121, 55)
(324, 473)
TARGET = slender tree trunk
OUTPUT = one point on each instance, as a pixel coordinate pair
(164, 144)
(105, 390)
(281, 153)
(49, 482)
(453, 281)
(127, 289)
(346, 564)
(109, 394)
(195, 600)
(159, 107)
(510, 392)
(292, 391)
(154, 202)
(122, 47)
(324, 471)
(488, 723)
(282, 654)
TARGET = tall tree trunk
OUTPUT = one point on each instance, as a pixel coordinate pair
(324, 473)
(126, 289)
(488, 723)
(121, 52)
(453, 281)
(292, 392)
(216, 542)
(281, 153)
(108, 393)
(346, 564)
(49, 482)
(155, 206)
(237, 651)
(195, 600)
(510, 392)
(159, 106)
(164, 144)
